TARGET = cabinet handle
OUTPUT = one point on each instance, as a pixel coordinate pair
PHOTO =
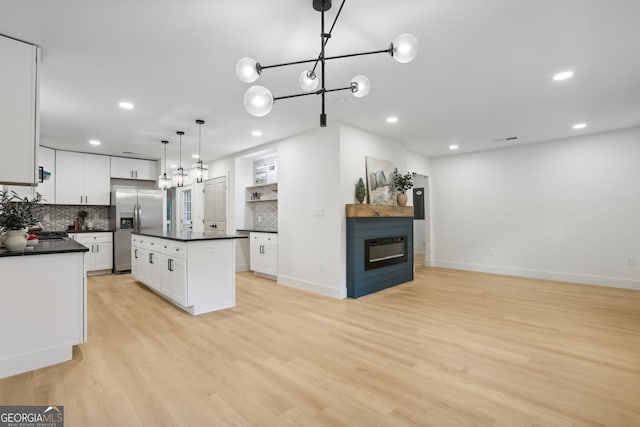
(151, 258)
(98, 248)
(40, 174)
(135, 253)
(136, 173)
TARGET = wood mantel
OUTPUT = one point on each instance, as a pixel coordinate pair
(375, 211)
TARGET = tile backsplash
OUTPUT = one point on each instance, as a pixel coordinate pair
(60, 217)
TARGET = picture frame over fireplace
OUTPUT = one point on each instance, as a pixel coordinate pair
(380, 190)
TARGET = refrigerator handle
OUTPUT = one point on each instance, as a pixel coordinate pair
(135, 218)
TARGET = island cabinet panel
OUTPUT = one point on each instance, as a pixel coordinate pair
(42, 310)
(197, 275)
(19, 112)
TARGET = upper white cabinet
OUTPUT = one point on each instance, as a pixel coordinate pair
(46, 181)
(122, 167)
(19, 123)
(47, 174)
(82, 179)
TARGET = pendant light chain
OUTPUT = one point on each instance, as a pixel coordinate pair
(180, 169)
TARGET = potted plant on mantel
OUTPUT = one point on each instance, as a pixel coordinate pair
(16, 214)
(402, 183)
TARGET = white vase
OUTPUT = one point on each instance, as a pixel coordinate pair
(15, 240)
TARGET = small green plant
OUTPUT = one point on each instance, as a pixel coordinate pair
(401, 182)
(361, 191)
(17, 213)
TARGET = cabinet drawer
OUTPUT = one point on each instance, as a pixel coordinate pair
(153, 244)
(175, 250)
(90, 238)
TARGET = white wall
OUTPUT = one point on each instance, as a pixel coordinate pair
(310, 213)
(564, 210)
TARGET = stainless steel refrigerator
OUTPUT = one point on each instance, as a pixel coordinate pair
(132, 209)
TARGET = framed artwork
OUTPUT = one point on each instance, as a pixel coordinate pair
(379, 186)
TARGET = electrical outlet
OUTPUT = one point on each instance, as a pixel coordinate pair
(631, 261)
(492, 251)
(259, 219)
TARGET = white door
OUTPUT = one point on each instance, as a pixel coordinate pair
(215, 204)
(184, 207)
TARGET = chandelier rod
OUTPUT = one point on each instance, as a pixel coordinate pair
(327, 36)
(389, 50)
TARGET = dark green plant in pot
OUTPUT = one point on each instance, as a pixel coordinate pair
(17, 213)
(401, 182)
(361, 191)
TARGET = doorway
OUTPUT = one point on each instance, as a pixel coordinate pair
(215, 204)
(421, 222)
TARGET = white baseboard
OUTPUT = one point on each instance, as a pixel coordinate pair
(242, 267)
(312, 287)
(587, 279)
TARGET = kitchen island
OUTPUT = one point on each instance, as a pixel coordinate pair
(195, 271)
(43, 305)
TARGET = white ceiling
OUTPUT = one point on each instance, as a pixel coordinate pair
(483, 71)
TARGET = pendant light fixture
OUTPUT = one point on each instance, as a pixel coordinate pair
(179, 173)
(200, 170)
(164, 182)
(258, 100)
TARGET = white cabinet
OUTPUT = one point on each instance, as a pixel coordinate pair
(47, 174)
(122, 167)
(82, 179)
(46, 179)
(100, 255)
(201, 282)
(19, 110)
(264, 254)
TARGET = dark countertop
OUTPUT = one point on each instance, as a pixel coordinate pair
(252, 230)
(88, 231)
(47, 247)
(188, 236)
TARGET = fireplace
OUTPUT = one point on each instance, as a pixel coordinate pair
(379, 247)
(383, 251)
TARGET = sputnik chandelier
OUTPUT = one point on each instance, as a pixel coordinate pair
(258, 100)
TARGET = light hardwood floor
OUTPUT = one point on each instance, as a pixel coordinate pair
(449, 349)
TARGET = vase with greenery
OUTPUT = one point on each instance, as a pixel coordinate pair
(402, 183)
(361, 191)
(16, 215)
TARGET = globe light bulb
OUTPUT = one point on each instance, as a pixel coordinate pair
(258, 101)
(308, 81)
(246, 70)
(360, 86)
(405, 48)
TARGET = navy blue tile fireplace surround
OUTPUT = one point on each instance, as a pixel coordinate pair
(379, 253)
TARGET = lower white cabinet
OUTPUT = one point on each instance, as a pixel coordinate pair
(100, 255)
(202, 282)
(264, 254)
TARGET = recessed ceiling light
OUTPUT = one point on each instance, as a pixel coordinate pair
(453, 147)
(174, 166)
(256, 133)
(392, 119)
(580, 126)
(195, 156)
(564, 75)
(94, 142)
(126, 105)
